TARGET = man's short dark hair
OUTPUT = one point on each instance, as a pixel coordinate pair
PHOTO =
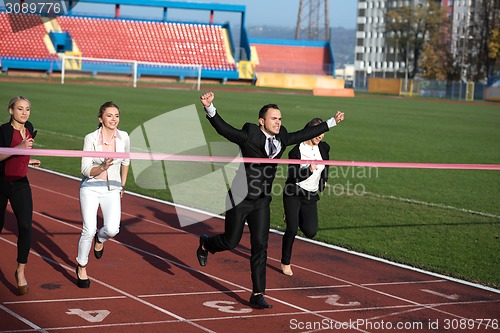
(263, 110)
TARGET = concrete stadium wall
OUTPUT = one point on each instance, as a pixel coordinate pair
(298, 81)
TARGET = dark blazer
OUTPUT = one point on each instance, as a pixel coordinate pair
(6, 132)
(254, 180)
(297, 174)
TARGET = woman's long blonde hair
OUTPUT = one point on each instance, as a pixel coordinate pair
(13, 102)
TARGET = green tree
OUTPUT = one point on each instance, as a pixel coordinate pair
(485, 30)
(477, 42)
(436, 61)
(411, 28)
(494, 44)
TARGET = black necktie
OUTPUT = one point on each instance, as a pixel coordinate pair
(272, 148)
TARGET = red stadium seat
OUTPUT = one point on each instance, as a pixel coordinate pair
(25, 43)
(130, 39)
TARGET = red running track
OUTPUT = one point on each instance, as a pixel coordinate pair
(149, 280)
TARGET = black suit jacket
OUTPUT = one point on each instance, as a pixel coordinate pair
(254, 180)
(6, 132)
(297, 174)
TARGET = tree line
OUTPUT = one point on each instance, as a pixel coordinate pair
(424, 35)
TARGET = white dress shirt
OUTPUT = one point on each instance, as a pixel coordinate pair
(93, 142)
(308, 152)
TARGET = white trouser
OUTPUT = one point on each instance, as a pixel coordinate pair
(90, 199)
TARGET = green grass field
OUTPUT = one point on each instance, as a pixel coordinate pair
(445, 221)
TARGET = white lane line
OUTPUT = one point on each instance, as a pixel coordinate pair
(170, 262)
(430, 204)
(67, 328)
(338, 248)
(349, 285)
(419, 306)
(236, 291)
(209, 319)
(213, 277)
(59, 135)
(332, 311)
(22, 319)
(403, 282)
(303, 311)
(452, 297)
(216, 292)
(176, 264)
(119, 291)
(65, 300)
(433, 306)
(392, 263)
(361, 286)
(295, 288)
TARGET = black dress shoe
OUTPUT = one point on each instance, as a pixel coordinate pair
(258, 301)
(81, 283)
(200, 253)
(98, 254)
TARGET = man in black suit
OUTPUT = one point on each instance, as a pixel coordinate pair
(250, 193)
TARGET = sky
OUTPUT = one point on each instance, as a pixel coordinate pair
(285, 12)
(281, 13)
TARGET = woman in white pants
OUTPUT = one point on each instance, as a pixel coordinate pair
(102, 185)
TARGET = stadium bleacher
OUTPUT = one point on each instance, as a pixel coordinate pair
(149, 41)
(293, 59)
(22, 36)
(39, 43)
(23, 42)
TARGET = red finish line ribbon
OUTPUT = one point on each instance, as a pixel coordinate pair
(225, 159)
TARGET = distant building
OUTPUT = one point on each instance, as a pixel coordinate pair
(375, 58)
(347, 74)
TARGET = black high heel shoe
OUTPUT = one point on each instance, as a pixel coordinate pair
(98, 254)
(82, 283)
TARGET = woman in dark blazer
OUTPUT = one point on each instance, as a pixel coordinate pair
(14, 184)
(300, 195)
